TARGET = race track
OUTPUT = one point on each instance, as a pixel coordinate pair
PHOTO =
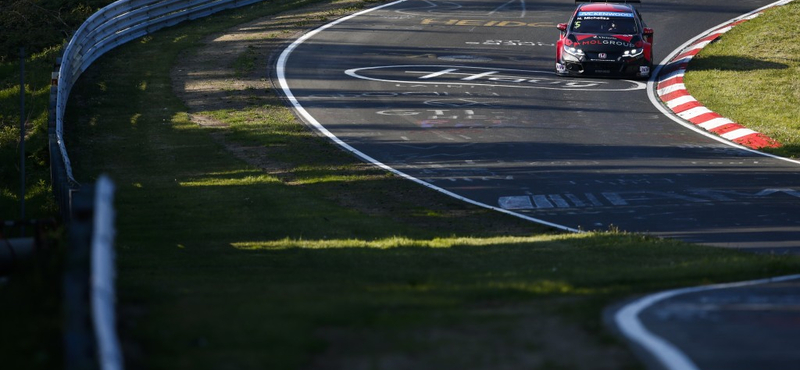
(461, 96)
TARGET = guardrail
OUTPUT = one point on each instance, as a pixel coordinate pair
(90, 337)
(112, 26)
(109, 352)
(91, 269)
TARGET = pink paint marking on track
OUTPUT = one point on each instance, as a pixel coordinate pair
(672, 91)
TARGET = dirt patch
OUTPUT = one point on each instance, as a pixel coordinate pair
(209, 79)
(231, 72)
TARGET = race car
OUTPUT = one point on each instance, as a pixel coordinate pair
(607, 38)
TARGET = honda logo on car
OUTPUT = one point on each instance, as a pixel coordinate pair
(602, 55)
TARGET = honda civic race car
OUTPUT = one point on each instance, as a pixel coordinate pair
(607, 39)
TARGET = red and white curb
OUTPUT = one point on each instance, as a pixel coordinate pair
(673, 93)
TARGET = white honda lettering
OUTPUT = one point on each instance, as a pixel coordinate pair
(437, 74)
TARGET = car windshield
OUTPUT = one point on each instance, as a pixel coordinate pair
(587, 23)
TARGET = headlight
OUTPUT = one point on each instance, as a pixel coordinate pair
(574, 51)
(633, 52)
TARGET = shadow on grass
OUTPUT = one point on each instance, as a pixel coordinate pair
(343, 299)
(733, 63)
(788, 151)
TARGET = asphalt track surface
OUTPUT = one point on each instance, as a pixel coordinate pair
(735, 326)
(461, 95)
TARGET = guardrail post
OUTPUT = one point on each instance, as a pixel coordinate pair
(109, 352)
(58, 177)
(79, 342)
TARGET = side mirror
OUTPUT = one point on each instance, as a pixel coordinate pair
(648, 34)
(562, 27)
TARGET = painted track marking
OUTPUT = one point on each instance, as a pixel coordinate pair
(667, 354)
(481, 76)
(309, 119)
(672, 83)
(674, 94)
(627, 318)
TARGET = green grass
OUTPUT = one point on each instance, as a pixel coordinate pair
(30, 297)
(303, 257)
(245, 63)
(38, 198)
(751, 76)
(276, 303)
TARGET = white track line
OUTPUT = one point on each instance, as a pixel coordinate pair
(627, 318)
(652, 83)
(669, 356)
(281, 75)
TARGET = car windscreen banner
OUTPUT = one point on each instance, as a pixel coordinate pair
(605, 14)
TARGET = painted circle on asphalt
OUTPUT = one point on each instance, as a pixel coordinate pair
(570, 153)
(493, 77)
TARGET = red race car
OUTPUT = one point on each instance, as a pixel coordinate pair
(606, 38)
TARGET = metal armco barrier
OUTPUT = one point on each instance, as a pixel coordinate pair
(112, 26)
(89, 275)
(88, 282)
(103, 275)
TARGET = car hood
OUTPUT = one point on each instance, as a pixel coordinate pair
(603, 43)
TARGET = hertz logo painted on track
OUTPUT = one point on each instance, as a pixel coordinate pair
(484, 23)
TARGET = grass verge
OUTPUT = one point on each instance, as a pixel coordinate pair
(751, 76)
(249, 242)
(30, 293)
(38, 195)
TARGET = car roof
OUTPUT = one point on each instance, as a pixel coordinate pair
(606, 7)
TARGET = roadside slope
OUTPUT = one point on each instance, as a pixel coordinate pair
(246, 241)
(749, 76)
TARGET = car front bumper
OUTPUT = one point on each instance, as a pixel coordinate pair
(634, 68)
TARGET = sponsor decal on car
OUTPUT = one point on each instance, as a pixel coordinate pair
(605, 14)
(604, 42)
